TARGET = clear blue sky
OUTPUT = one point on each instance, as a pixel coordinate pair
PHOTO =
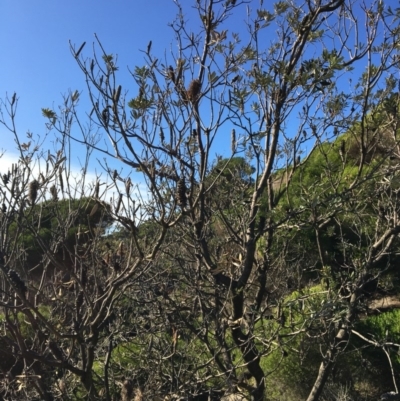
(36, 61)
(37, 64)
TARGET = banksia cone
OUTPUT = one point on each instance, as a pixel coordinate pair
(33, 191)
(127, 391)
(118, 204)
(17, 281)
(6, 178)
(128, 184)
(162, 136)
(171, 74)
(53, 191)
(193, 91)
(233, 140)
(60, 177)
(4, 208)
(181, 193)
(97, 189)
(105, 115)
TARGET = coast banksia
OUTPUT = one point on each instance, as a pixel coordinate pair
(33, 191)
(181, 193)
(17, 281)
(193, 91)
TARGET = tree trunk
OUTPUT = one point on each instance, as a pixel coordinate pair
(323, 374)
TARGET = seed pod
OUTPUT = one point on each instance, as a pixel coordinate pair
(162, 136)
(233, 140)
(181, 193)
(128, 184)
(33, 191)
(53, 191)
(61, 180)
(95, 208)
(4, 208)
(6, 178)
(171, 74)
(193, 91)
(105, 115)
(15, 278)
(118, 204)
(117, 94)
(97, 189)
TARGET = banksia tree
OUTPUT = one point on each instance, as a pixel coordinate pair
(210, 242)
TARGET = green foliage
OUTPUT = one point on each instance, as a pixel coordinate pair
(383, 327)
(293, 362)
(58, 219)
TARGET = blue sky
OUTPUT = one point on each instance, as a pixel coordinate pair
(36, 61)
